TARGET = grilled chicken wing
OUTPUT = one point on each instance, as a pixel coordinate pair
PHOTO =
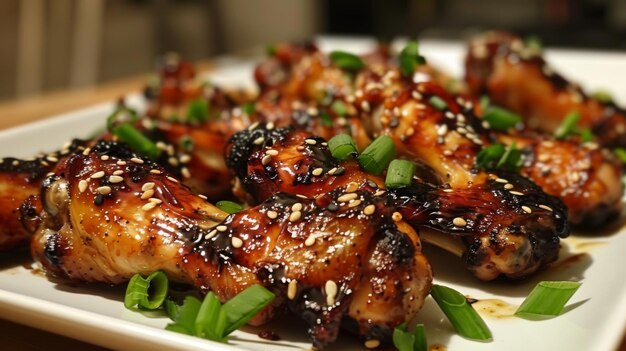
(518, 78)
(109, 214)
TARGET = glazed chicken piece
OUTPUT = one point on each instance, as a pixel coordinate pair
(109, 214)
(497, 231)
(518, 78)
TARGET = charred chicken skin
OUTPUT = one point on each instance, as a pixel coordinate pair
(109, 214)
(517, 77)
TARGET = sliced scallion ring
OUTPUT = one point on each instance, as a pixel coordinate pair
(568, 126)
(460, 313)
(410, 58)
(377, 155)
(198, 111)
(130, 135)
(342, 146)
(229, 206)
(501, 119)
(404, 340)
(346, 60)
(438, 103)
(121, 116)
(148, 293)
(399, 174)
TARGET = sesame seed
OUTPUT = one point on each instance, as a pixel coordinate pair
(365, 105)
(211, 234)
(301, 196)
(155, 200)
(379, 193)
(272, 214)
(172, 179)
(269, 126)
(253, 126)
(173, 161)
(317, 171)
(312, 111)
(203, 197)
(118, 172)
(97, 175)
(501, 180)
(543, 157)
(410, 131)
(396, 111)
(447, 190)
(331, 292)
(52, 159)
(155, 171)
(296, 207)
(354, 203)
(352, 187)
(115, 179)
(546, 207)
(148, 206)
(442, 129)
(147, 186)
(310, 141)
(104, 157)
(104, 190)
(137, 160)
(310, 240)
(184, 158)
(486, 125)
(82, 185)
(369, 210)
(86, 151)
(294, 216)
(300, 148)
(236, 242)
(221, 228)
(266, 160)
(526, 209)
(575, 176)
(372, 343)
(347, 197)
(271, 152)
(332, 171)
(292, 289)
(460, 117)
(461, 130)
(185, 172)
(147, 194)
(258, 141)
(459, 222)
(508, 186)
(396, 216)
(416, 95)
(516, 193)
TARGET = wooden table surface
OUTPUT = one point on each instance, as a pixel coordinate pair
(12, 113)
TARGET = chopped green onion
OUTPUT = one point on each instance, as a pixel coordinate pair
(410, 58)
(248, 108)
(511, 159)
(327, 121)
(346, 60)
(602, 96)
(198, 110)
(148, 293)
(245, 305)
(533, 43)
(342, 146)
(586, 135)
(375, 158)
(620, 153)
(496, 156)
(270, 50)
(399, 174)
(568, 126)
(460, 313)
(501, 119)
(136, 140)
(120, 116)
(229, 206)
(339, 108)
(406, 341)
(185, 321)
(484, 103)
(547, 299)
(438, 103)
(208, 323)
(186, 143)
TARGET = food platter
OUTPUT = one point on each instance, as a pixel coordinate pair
(594, 318)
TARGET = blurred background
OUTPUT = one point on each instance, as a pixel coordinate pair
(51, 45)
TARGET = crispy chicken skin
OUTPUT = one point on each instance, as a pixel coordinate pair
(109, 214)
(518, 78)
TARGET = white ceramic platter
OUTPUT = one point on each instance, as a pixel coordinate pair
(594, 319)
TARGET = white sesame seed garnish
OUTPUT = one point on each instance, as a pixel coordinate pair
(379, 193)
(137, 160)
(371, 343)
(258, 141)
(369, 210)
(236, 242)
(546, 208)
(508, 186)
(184, 158)
(155, 171)
(296, 207)
(271, 152)
(253, 126)
(266, 160)
(203, 197)
(365, 106)
(52, 159)
(269, 126)
(86, 151)
(442, 129)
(148, 206)
(352, 187)
(105, 157)
(147, 186)
(301, 196)
(526, 209)
(118, 172)
(354, 203)
(211, 234)
(221, 228)
(82, 185)
(447, 190)
(104, 190)
(501, 180)
(516, 193)
(317, 171)
(310, 141)
(416, 95)
(347, 197)
(272, 214)
(486, 125)
(312, 111)
(310, 240)
(332, 171)
(97, 175)
(459, 222)
(292, 289)
(173, 161)
(294, 216)
(410, 131)
(185, 172)
(396, 216)
(155, 200)
(147, 194)
(331, 292)
(115, 179)
(172, 179)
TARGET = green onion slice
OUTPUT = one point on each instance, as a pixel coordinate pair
(342, 146)
(339, 108)
(547, 299)
(568, 126)
(460, 313)
(248, 108)
(533, 43)
(620, 153)
(121, 116)
(245, 305)
(327, 120)
(438, 103)
(198, 110)
(270, 50)
(484, 102)
(148, 293)
(229, 206)
(603, 96)
(208, 323)
(511, 159)
(186, 316)
(375, 158)
(136, 140)
(406, 341)
(346, 60)
(496, 156)
(500, 118)
(586, 135)
(399, 174)
(410, 58)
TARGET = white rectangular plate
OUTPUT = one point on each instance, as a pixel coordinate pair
(594, 319)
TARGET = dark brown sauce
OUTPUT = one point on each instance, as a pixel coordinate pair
(268, 335)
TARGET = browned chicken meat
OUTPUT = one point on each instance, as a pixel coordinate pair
(109, 214)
